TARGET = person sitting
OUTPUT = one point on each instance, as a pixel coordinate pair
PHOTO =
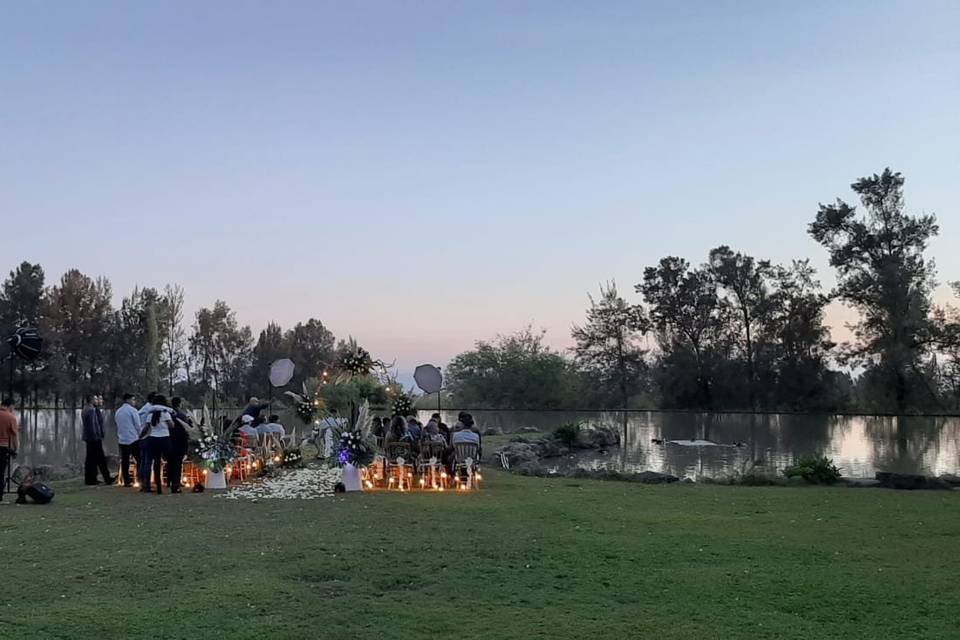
(443, 428)
(272, 426)
(247, 430)
(414, 427)
(431, 433)
(467, 433)
(397, 432)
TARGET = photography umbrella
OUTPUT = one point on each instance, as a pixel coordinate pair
(429, 379)
(25, 344)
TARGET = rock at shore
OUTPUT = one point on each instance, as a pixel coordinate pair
(520, 452)
(909, 481)
(493, 431)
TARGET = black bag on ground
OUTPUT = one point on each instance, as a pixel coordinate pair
(37, 492)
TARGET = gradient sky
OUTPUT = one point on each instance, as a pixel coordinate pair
(422, 175)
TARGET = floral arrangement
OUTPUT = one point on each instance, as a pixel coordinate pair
(308, 406)
(356, 362)
(213, 451)
(402, 405)
(355, 445)
(292, 457)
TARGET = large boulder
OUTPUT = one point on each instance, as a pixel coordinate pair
(529, 430)
(909, 481)
(597, 438)
(553, 449)
(493, 431)
(520, 452)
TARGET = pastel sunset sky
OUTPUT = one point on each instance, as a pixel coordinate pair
(425, 174)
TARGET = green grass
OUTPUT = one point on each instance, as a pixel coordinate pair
(524, 558)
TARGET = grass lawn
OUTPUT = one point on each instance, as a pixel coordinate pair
(524, 558)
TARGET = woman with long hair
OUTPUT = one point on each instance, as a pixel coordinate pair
(157, 435)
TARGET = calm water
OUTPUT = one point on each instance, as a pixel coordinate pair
(860, 445)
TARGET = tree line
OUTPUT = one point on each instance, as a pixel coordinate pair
(91, 346)
(740, 333)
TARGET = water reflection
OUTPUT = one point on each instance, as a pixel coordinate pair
(859, 445)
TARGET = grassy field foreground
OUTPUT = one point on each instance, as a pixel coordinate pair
(524, 558)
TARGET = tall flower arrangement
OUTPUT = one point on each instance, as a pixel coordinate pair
(212, 450)
(356, 445)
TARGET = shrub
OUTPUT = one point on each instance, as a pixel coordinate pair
(814, 470)
(567, 433)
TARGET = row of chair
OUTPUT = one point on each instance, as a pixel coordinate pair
(399, 465)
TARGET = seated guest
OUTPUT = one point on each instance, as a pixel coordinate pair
(443, 428)
(431, 433)
(413, 426)
(467, 432)
(272, 426)
(247, 430)
(398, 432)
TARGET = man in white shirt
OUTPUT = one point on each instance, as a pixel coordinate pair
(128, 435)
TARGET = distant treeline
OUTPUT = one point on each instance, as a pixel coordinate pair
(738, 332)
(92, 347)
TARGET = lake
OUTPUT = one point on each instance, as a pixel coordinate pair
(859, 445)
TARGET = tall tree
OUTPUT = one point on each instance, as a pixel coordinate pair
(312, 347)
(79, 312)
(21, 300)
(173, 339)
(607, 345)
(882, 272)
(222, 349)
(744, 283)
(270, 347)
(685, 311)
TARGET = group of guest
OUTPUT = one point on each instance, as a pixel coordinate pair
(412, 431)
(151, 434)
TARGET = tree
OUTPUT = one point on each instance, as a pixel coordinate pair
(311, 346)
(222, 350)
(173, 338)
(513, 372)
(21, 298)
(804, 380)
(688, 317)
(744, 283)
(270, 347)
(78, 316)
(882, 272)
(607, 344)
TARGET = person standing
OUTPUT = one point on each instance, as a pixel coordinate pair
(8, 440)
(92, 420)
(143, 469)
(179, 441)
(157, 434)
(128, 435)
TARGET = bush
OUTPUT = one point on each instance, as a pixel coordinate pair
(567, 434)
(814, 470)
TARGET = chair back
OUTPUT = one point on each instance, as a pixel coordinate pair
(431, 450)
(397, 449)
(467, 450)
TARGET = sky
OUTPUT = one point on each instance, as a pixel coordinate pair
(422, 175)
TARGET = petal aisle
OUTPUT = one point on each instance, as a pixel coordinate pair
(306, 483)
